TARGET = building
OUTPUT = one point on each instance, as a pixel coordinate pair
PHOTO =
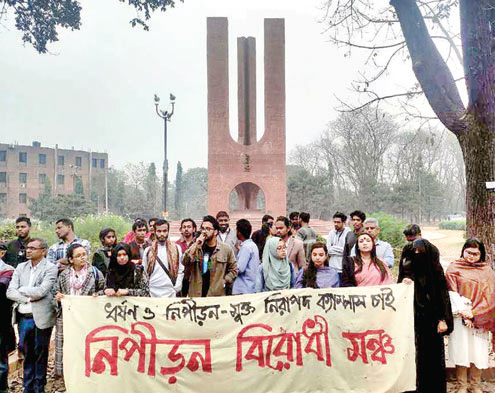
(26, 171)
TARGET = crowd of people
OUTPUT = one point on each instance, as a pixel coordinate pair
(218, 260)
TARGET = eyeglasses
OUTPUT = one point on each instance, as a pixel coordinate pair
(207, 229)
(473, 254)
(280, 248)
(34, 248)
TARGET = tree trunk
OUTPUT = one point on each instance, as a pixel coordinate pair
(474, 127)
(478, 148)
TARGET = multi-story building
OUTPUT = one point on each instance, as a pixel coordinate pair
(27, 171)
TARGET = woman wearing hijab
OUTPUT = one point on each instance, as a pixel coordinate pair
(101, 257)
(471, 282)
(276, 271)
(124, 278)
(420, 263)
(78, 279)
(317, 274)
(365, 269)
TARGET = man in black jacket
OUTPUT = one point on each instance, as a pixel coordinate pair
(16, 249)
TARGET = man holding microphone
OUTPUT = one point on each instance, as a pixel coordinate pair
(212, 263)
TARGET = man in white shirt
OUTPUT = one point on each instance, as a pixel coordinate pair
(336, 241)
(163, 263)
(225, 234)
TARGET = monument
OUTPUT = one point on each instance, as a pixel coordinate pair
(253, 169)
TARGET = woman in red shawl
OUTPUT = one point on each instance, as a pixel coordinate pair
(471, 281)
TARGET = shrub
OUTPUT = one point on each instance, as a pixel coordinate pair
(86, 227)
(453, 225)
(391, 229)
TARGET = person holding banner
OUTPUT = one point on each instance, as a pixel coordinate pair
(471, 282)
(79, 279)
(420, 263)
(365, 268)
(276, 272)
(317, 274)
(124, 278)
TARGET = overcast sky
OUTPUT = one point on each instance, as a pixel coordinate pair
(95, 91)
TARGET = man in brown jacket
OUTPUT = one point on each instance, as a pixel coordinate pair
(295, 247)
(212, 263)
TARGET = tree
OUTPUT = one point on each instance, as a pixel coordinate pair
(195, 181)
(50, 208)
(39, 20)
(152, 191)
(473, 124)
(179, 192)
(78, 186)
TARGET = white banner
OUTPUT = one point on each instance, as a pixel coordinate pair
(326, 340)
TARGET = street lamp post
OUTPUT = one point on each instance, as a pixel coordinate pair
(165, 115)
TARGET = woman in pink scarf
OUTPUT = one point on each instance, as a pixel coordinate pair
(79, 279)
(471, 282)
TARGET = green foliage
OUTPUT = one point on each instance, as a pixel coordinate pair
(391, 229)
(307, 192)
(179, 192)
(86, 227)
(7, 230)
(50, 208)
(195, 181)
(78, 186)
(459, 225)
(40, 19)
(89, 227)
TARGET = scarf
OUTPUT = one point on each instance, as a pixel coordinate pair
(475, 281)
(172, 255)
(276, 271)
(120, 276)
(77, 279)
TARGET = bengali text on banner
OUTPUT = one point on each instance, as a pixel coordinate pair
(307, 340)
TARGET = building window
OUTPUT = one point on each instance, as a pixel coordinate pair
(42, 178)
(3, 177)
(3, 155)
(61, 160)
(22, 197)
(60, 179)
(3, 197)
(95, 163)
(42, 159)
(23, 178)
(23, 157)
(79, 162)
(102, 163)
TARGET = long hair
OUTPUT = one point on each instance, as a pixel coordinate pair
(475, 243)
(105, 232)
(310, 271)
(358, 260)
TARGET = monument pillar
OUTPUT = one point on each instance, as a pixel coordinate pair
(247, 166)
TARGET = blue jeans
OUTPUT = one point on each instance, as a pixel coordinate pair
(34, 344)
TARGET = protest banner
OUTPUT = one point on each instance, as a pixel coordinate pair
(324, 340)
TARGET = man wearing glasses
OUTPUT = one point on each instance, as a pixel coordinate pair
(31, 290)
(212, 263)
